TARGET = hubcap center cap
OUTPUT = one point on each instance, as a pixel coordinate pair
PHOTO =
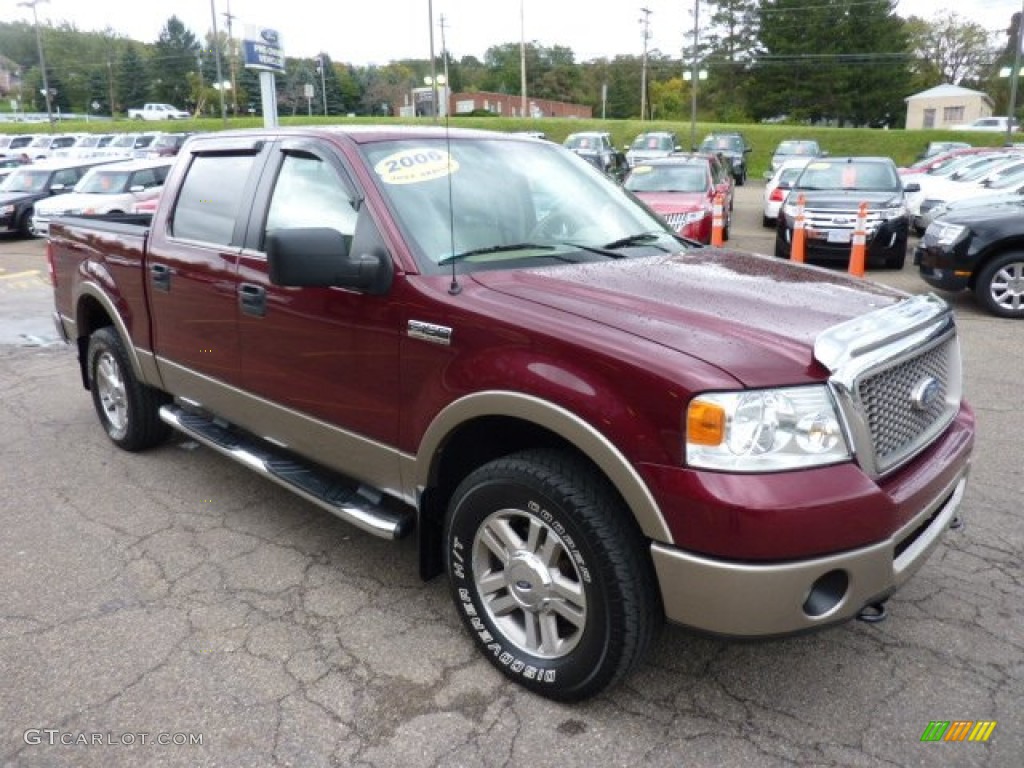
(528, 581)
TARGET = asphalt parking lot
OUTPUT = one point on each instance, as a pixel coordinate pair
(171, 609)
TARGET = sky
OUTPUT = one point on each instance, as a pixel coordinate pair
(378, 31)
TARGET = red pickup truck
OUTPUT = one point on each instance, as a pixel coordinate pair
(590, 423)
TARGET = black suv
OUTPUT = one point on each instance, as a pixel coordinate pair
(733, 147)
(596, 148)
(833, 189)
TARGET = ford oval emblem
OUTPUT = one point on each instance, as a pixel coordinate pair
(269, 35)
(925, 393)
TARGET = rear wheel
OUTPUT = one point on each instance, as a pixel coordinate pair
(127, 408)
(550, 573)
(1000, 285)
(25, 223)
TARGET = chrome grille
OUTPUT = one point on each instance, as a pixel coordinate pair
(896, 423)
(675, 220)
(826, 219)
(896, 376)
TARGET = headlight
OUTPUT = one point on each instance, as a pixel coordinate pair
(6, 210)
(945, 234)
(894, 212)
(692, 217)
(765, 430)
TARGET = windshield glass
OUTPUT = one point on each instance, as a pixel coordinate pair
(583, 141)
(722, 144)
(653, 141)
(124, 140)
(669, 178)
(797, 148)
(841, 174)
(512, 203)
(26, 180)
(104, 182)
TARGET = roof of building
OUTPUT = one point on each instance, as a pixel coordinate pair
(946, 90)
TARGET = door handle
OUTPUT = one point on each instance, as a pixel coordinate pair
(252, 299)
(161, 276)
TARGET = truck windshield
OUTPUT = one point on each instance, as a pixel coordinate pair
(479, 195)
(104, 182)
(26, 181)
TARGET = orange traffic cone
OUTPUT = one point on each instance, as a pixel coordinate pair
(717, 223)
(857, 253)
(796, 251)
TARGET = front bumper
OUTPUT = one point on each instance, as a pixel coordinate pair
(752, 599)
(887, 241)
(947, 267)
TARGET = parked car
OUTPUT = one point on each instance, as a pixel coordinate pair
(13, 146)
(162, 145)
(833, 189)
(778, 187)
(682, 190)
(937, 162)
(653, 144)
(26, 186)
(110, 188)
(733, 147)
(978, 249)
(1009, 193)
(87, 145)
(596, 148)
(994, 179)
(965, 168)
(124, 146)
(8, 164)
(793, 148)
(938, 147)
(994, 124)
(44, 146)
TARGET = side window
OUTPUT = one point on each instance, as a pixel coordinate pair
(308, 193)
(210, 198)
(68, 178)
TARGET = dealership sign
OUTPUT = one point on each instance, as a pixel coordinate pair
(261, 49)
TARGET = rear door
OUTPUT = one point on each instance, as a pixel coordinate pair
(192, 271)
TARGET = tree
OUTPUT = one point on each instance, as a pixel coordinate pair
(840, 61)
(727, 51)
(174, 59)
(132, 82)
(947, 49)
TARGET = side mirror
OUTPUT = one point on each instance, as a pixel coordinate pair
(137, 188)
(912, 187)
(824, 153)
(56, 189)
(322, 257)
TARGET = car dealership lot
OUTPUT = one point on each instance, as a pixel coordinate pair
(173, 594)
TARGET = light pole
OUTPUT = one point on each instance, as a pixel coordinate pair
(522, 59)
(646, 21)
(42, 60)
(694, 77)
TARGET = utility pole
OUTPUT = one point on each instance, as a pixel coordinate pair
(231, 60)
(444, 54)
(646, 21)
(42, 60)
(220, 72)
(433, 64)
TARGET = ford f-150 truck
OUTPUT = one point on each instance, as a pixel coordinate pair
(158, 112)
(590, 424)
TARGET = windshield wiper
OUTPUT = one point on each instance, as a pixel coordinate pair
(495, 249)
(642, 238)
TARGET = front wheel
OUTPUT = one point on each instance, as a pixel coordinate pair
(550, 573)
(127, 408)
(1000, 285)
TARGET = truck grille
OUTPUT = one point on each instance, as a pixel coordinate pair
(898, 421)
(896, 376)
(825, 219)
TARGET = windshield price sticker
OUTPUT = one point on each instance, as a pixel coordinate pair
(412, 166)
(643, 169)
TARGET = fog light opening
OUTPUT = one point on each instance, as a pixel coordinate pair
(826, 593)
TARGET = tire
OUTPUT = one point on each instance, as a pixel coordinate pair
(127, 409)
(766, 222)
(897, 261)
(1000, 285)
(25, 223)
(550, 574)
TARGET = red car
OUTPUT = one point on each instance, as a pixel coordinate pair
(682, 189)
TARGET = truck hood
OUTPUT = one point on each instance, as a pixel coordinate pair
(847, 200)
(753, 317)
